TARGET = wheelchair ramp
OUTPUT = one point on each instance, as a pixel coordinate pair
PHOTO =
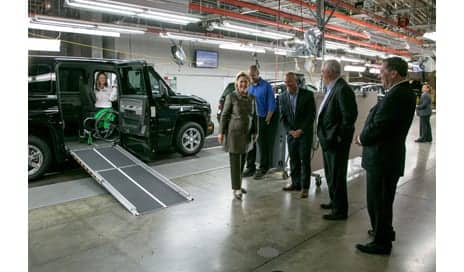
(134, 184)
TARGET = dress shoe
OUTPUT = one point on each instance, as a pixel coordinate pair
(392, 237)
(249, 172)
(304, 193)
(243, 191)
(260, 173)
(419, 140)
(327, 206)
(335, 216)
(238, 194)
(290, 187)
(375, 248)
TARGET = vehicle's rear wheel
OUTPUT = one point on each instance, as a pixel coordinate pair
(39, 159)
(190, 138)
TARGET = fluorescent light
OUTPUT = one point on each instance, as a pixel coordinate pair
(195, 38)
(347, 59)
(114, 7)
(241, 47)
(73, 30)
(280, 52)
(103, 9)
(82, 27)
(385, 40)
(123, 29)
(374, 70)
(110, 4)
(431, 36)
(351, 68)
(50, 45)
(256, 31)
(335, 45)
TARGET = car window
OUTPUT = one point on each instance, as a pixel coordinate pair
(72, 80)
(132, 81)
(41, 79)
(154, 83)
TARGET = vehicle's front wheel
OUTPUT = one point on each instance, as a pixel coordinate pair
(39, 158)
(190, 138)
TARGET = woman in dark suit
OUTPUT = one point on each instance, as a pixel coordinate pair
(424, 111)
(238, 127)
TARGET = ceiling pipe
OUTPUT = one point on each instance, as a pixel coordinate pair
(358, 22)
(293, 17)
(371, 14)
(248, 18)
(201, 8)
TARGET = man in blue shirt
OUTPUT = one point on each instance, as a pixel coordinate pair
(265, 105)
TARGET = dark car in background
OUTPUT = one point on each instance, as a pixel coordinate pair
(277, 85)
(151, 116)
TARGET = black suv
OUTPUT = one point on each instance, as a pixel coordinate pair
(151, 116)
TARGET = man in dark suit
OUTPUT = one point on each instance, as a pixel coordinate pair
(298, 110)
(335, 128)
(384, 152)
(424, 110)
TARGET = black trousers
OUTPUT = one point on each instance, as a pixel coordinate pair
(381, 188)
(425, 128)
(266, 135)
(299, 150)
(237, 161)
(335, 168)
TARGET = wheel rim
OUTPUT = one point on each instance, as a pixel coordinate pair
(191, 139)
(36, 159)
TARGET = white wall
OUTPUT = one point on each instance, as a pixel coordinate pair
(204, 82)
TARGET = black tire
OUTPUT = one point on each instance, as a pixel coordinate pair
(39, 157)
(190, 138)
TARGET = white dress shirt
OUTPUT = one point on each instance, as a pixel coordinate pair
(104, 97)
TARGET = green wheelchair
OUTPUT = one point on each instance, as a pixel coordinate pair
(102, 126)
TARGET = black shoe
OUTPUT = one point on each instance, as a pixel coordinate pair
(249, 172)
(243, 190)
(291, 188)
(419, 140)
(335, 216)
(374, 248)
(392, 237)
(260, 174)
(327, 206)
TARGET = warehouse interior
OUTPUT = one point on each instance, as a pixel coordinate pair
(76, 219)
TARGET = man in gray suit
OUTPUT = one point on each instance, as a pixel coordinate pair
(424, 111)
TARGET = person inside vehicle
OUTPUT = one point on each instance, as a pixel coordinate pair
(103, 93)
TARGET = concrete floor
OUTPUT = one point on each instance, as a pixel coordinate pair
(270, 230)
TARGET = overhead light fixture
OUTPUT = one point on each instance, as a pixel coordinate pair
(50, 45)
(254, 31)
(351, 68)
(374, 70)
(348, 59)
(242, 47)
(336, 46)
(146, 12)
(375, 38)
(430, 36)
(196, 38)
(81, 27)
(73, 30)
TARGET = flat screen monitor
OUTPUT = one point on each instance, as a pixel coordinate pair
(206, 59)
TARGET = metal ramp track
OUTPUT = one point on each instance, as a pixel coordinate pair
(134, 184)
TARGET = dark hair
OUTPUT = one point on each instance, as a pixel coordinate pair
(254, 67)
(397, 64)
(96, 80)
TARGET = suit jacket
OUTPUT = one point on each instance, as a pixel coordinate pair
(335, 124)
(305, 112)
(424, 108)
(238, 122)
(385, 131)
